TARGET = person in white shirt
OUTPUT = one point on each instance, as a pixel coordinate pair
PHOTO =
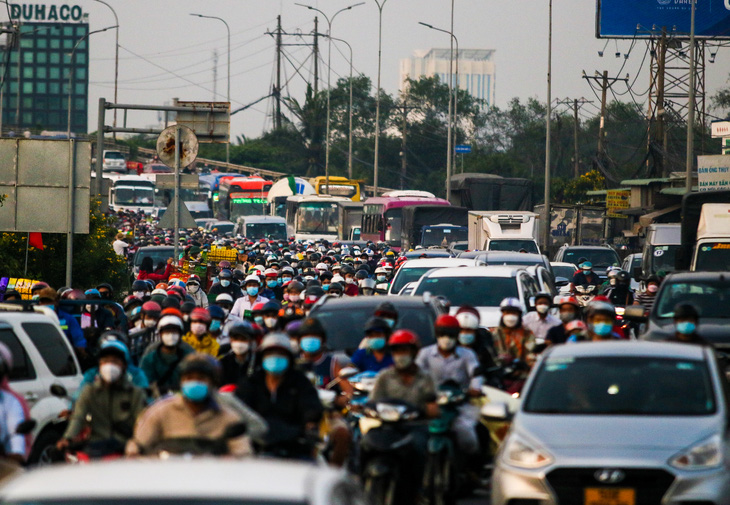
(120, 246)
(540, 321)
(250, 297)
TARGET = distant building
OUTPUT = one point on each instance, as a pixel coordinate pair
(477, 73)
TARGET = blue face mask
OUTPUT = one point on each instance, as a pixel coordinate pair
(377, 343)
(276, 365)
(466, 338)
(310, 344)
(259, 320)
(215, 325)
(272, 284)
(195, 391)
(602, 329)
(225, 283)
(686, 327)
(252, 291)
(391, 322)
(380, 278)
(326, 287)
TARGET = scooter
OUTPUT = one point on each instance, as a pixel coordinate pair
(386, 448)
(585, 294)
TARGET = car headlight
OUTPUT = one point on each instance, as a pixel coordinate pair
(520, 453)
(701, 456)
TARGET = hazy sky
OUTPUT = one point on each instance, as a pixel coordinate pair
(169, 39)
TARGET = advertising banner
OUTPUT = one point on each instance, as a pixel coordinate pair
(713, 172)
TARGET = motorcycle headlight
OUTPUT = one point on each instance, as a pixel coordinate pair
(390, 413)
(701, 456)
(522, 454)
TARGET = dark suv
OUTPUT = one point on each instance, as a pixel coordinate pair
(602, 257)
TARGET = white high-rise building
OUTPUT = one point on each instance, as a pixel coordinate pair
(477, 73)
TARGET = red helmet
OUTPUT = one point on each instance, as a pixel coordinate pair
(568, 300)
(258, 307)
(200, 314)
(403, 337)
(447, 325)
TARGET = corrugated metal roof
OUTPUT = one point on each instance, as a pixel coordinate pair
(676, 191)
(598, 192)
(643, 182)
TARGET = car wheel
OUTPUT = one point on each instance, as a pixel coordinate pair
(45, 444)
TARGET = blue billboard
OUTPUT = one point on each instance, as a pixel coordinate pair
(646, 18)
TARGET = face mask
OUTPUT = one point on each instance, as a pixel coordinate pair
(170, 338)
(275, 365)
(310, 345)
(510, 320)
(376, 343)
(138, 294)
(198, 329)
(602, 329)
(284, 280)
(466, 338)
(240, 348)
(567, 317)
(195, 391)
(225, 283)
(193, 288)
(326, 287)
(259, 320)
(270, 322)
(402, 361)
(686, 327)
(612, 282)
(653, 288)
(446, 343)
(542, 308)
(350, 280)
(252, 291)
(294, 298)
(110, 372)
(215, 325)
(380, 278)
(149, 323)
(272, 284)
(391, 322)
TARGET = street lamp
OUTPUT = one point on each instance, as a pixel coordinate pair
(452, 114)
(546, 227)
(329, 73)
(349, 146)
(380, 4)
(116, 60)
(228, 29)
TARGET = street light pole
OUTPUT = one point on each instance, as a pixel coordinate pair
(349, 143)
(228, 96)
(546, 223)
(691, 103)
(452, 112)
(380, 4)
(329, 74)
(116, 61)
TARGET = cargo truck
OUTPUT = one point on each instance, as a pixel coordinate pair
(503, 231)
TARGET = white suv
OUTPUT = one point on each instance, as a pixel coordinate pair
(42, 357)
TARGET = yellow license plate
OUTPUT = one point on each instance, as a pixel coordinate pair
(609, 496)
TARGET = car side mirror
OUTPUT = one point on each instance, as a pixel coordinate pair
(561, 282)
(531, 303)
(496, 411)
(59, 391)
(26, 427)
(637, 274)
(635, 313)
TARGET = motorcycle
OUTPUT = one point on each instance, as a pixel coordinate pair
(585, 294)
(441, 478)
(198, 446)
(386, 449)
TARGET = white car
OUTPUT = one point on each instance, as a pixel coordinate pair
(42, 358)
(564, 271)
(183, 481)
(412, 270)
(482, 287)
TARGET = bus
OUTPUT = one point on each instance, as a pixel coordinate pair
(242, 196)
(313, 217)
(212, 182)
(132, 193)
(338, 186)
(383, 216)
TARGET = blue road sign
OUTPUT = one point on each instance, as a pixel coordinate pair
(462, 149)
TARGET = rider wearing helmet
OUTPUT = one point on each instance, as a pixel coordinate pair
(569, 311)
(348, 273)
(284, 397)
(242, 306)
(585, 276)
(473, 337)
(161, 360)
(366, 287)
(374, 355)
(540, 321)
(686, 320)
(512, 341)
(69, 325)
(225, 284)
(195, 290)
(600, 319)
(620, 294)
(239, 363)
(199, 338)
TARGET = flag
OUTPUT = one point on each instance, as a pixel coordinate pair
(292, 184)
(35, 239)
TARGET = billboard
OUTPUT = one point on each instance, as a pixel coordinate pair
(645, 18)
(713, 173)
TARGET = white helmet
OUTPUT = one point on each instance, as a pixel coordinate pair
(224, 297)
(170, 321)
(468, 320)
(510, 303)
(253, 278)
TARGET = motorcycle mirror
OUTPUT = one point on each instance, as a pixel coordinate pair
(531, 303)
(59, 391)
(637, 274)
(234, 431)
(496, 411)
(348, 372)
(635, 313)
(26, 427)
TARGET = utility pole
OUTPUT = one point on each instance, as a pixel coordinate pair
(576, 104)
(404, 141)
(215, 75)
(605, 83)
(691, 101)
(316, 56)
(277, 90)
(660, 126)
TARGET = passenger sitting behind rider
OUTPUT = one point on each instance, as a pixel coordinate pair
(111, 402)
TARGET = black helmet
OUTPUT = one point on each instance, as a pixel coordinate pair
(361, 274)
(139, 285)
(346, 269)
(242, 329)
(225, 274)
(296, 286)
(544, 295)
(312, 326)
(201, 363)
(377, 324)
(686, 310)
(623, 277)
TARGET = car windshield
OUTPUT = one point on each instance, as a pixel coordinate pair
(713, 257)
(443, 236)
(317, 217)
(223, 228)
(113, 155)
(620, 385)
(248, 207)
(406, 275)
(137, 196)
(663, 258)
(193, 195)
(564, 271)
(601, 258)
(266, 230)
(475, 291)
(339, 322)
(711, 298)
(158, 255)
(513, 245)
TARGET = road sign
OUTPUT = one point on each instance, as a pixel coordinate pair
(720, 129)
(187, 181)
(462, 149)
(713, 173)
(167, 221)
(617, 199)
(211, 121)
(188, 146)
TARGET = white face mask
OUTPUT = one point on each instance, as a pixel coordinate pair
(149, 323)
(198, 329)
(270, 322)
(110, 372)
(350, 280)
(170, 338)
(193, 288)
(446, 343)
(294, 298)
(225, 283)
(510, 320)
(542, 308)
(138, 294)
(240, 348)
(226, 312)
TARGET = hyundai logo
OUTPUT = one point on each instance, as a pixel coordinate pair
(609, 476)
